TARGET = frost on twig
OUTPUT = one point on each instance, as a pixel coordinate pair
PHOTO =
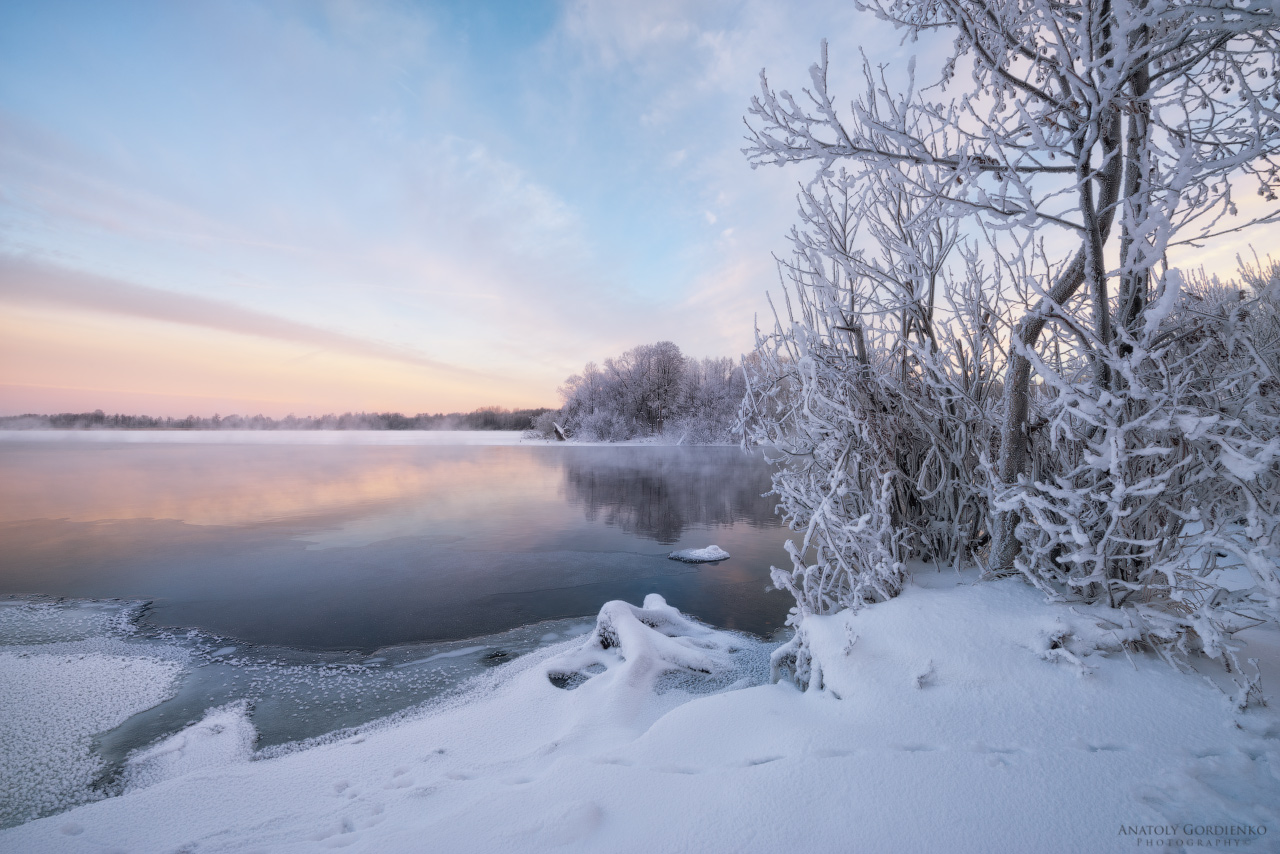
(938, 385)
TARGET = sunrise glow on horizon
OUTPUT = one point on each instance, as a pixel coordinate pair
(276, 208)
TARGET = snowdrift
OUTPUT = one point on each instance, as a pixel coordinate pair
(942, 720)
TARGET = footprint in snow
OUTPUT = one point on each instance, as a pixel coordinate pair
(764, 760)
(827, 753)
(573, 823)
(613, 760)
(1098, 748)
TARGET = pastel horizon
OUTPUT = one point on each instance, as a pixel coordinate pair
(434, 206)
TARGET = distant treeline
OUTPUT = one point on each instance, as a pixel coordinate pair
(487, 418)
(650, 390)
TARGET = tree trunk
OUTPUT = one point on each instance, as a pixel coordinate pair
(1017, 379)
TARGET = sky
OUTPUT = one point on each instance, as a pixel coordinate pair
(305, 207)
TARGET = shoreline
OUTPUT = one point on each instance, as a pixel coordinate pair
(441, 438)
(897, 749)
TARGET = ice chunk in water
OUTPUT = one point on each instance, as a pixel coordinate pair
(707, 555)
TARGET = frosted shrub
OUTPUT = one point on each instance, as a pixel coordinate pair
(1169, 473)
(604, 426)
(1072, 417)
(835, 480)
(874, 400)
(544, 425)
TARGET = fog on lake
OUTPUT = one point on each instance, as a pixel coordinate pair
(360, 541)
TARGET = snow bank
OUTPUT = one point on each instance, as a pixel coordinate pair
(707, 555)
(51, 706)
(939, 721)
(223, 737)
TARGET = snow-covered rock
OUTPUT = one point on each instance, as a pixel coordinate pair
(707, 555)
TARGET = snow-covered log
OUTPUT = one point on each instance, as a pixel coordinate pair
(638, 645)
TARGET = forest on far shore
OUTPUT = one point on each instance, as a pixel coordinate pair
(650, 390)
(485, 418)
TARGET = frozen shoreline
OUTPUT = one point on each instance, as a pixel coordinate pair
(944, 723)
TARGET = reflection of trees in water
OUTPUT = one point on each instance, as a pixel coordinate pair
(659, 492)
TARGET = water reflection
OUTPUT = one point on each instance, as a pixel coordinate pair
(659, 493)
(363, 546)
(238, 485)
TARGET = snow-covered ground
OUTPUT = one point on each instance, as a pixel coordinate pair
(959, 717)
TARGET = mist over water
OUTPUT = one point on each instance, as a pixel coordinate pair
(361, 544)
(659, 496)
(329, 581)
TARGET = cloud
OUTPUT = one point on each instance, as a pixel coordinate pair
(498, 199)
(400, 188)
(27, 282)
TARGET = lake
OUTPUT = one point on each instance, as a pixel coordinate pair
(336, 580)
(358, 541)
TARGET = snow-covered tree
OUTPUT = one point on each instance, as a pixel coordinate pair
(653, 389)
(1170, 473)
(874, 392)
(1120, 128)
(708, 404)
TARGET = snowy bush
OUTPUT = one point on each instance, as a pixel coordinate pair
(944, 388)
(1171, 472)
(544, 425)
(874, 398)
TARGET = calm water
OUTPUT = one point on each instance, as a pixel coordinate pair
(355, 544)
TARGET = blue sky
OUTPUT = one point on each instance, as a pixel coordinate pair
(471, 200)
(422, 206)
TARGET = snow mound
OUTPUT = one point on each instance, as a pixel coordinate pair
(51, 707)
(707, 555)
(645, 642)
(223, 737)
